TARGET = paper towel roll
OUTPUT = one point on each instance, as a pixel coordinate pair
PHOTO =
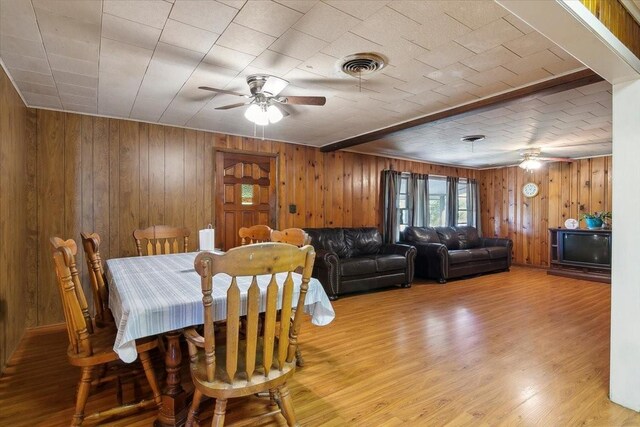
(207, 239)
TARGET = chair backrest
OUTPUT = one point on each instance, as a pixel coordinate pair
(91, 245)
(255, 234)
(74, 303)
(255, 260)
(162, 239)
(293, 236)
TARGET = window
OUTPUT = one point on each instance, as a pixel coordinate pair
(403, 202)
(247, 194)
(463, 203)
(437, 201)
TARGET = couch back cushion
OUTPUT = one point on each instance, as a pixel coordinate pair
(363, 240)
(449, 237)
(329, 239)
(420, 235)
(468, 237)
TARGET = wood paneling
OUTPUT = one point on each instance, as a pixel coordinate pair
(566, 191)
(112, 176)
(17, 265)
(618, 20)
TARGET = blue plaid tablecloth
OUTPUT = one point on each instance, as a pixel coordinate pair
(149, 295)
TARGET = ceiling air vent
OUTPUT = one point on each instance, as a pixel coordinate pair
(361, 64)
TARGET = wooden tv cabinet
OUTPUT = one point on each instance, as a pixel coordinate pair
(558, 267)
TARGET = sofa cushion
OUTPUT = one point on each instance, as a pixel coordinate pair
(363, 240)
(479, 254)
(449, 237)
(390, 263)
(421, 235)
(358, 266)
(497, 252)
(468, 237)
(459, 256)
(329, 239)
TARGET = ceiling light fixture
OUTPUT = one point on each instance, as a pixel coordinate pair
(263, 114)
(472, 138)
(530, 164)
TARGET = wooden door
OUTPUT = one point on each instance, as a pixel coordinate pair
(245, 194)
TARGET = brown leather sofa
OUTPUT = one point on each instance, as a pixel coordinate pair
(355, 259)
(447, 252)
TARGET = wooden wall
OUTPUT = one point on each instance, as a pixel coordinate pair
(114, 176)
(13, 218)
(566, 191)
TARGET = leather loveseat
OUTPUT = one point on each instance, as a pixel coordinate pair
(355, 259)
(447, 252)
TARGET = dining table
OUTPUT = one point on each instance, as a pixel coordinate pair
(161, 295)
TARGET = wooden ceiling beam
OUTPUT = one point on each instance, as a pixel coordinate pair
(547, 87)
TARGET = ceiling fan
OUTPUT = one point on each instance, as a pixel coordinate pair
(532, 159)
(264, 99)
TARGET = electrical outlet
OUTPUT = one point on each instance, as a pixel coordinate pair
(293, 208)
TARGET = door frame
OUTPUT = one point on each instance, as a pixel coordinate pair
(214, 188)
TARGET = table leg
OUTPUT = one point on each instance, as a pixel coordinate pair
(174, 398)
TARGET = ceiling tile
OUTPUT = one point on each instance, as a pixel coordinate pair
(72, 65)
(31, 77)
(489, 90)
(528, 44)
(445, 55)
(228, 58)
(519, 24)
(562, 67)
(275, 63)
(75, 79)
(27, 63)
(86, 49)
(441, 30)
(38, 88)
(297, 45)
(245, 39)
(65, 27)
(361, 9)
(490, 59)
(205, 14)
(186, 36)
(236, 4)
(34, 49)
(77, 90)
(126, 31)
(19, 20)
(302, 6)
(528, 78)
(489, 36)
(149, 12)
(325, 22)
(78, 100)
(537, 60)
(474, 14)
(39, 100)
(267, 17)
(491, 76)
(452, 73)
(87, 11)
(348, 44)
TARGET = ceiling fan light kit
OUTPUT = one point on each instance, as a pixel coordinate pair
(262, 115)
(530, 164)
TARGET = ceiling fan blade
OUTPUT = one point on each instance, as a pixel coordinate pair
(274, 85)
(303, 100)
(226, 92)
(228, 107)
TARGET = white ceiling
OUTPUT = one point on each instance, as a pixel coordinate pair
(145, 59)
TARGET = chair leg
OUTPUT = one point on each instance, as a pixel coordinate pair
(193, 410)
(83, 394)
(151, 376)
(286, 405)
(299, 359)
(273, 398)
(218, 413)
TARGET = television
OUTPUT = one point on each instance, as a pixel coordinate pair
(588, 249)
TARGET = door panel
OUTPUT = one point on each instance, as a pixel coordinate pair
(245, 194)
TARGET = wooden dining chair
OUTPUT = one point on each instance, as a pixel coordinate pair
(263, 357)
(91, 245)
(162, 239)
(299, 238)
(293, 236)
(91, 349)
(255, 234)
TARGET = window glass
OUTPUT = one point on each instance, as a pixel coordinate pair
(247, 194)
(403, 211)
(463, 195)
(437, 201)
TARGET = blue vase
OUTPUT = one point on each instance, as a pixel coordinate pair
(593, 223)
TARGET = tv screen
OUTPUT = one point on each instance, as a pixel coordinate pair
(586, 248)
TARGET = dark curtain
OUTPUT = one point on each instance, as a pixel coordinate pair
(419, 200)
(390, 188)
(473, 198)
(452, 201)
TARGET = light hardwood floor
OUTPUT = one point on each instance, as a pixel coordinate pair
(517, 348)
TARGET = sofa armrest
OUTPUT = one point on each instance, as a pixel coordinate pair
(496, 241)
(433, 259)
(396, 249)
(325, 269)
